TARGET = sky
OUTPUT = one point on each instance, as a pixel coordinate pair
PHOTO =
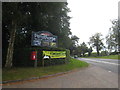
(91, 16)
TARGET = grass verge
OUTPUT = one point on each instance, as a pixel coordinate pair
(28, 72)
(108, 57)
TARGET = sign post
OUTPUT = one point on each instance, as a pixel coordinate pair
(43, 62)
(35, 63)
(43, 39)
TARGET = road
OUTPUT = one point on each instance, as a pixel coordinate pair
(110, 65)
(101, 73)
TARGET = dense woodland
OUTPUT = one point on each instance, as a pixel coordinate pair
(19, 19)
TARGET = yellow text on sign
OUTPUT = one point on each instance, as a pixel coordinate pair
(55, 54)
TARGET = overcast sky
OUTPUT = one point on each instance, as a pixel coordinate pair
(91, 16)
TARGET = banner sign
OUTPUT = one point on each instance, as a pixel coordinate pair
(55, 54)
(43, 38)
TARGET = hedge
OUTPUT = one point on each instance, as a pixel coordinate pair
(21, 57)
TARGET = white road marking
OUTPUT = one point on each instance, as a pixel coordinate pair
(102, 61)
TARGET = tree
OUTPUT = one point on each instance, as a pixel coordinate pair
(89, 51)
(113, 37)
(74, 39)
(14, 16)
(96, 42)
(73, 46)
(84, 48)
(21, 18)
(45, 16)
(80, 50)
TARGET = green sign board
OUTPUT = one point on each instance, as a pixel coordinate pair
(55, 54)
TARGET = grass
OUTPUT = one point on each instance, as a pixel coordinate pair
(107, 57)
(22, 73)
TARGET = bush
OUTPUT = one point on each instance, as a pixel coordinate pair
(94, 54)
(104, 53)
(48, 62)
(21, 57)
(114, 53)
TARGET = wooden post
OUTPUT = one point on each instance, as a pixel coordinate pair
(43, 62)
(42, 59)
(35, 63)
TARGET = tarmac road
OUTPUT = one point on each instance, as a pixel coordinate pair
(108, 64)
(101, 74)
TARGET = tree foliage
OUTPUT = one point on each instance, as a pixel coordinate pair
(84, 48)
(89, 51)
(113, 37)
(81, 49)
(96, 42)
(35, 16)
(73, 46)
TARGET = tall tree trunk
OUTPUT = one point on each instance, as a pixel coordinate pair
(9, 57)
(97, 50)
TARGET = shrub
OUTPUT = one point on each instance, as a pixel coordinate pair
(114, 53)
(21, 57)
(104, 53)
(94, 54)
